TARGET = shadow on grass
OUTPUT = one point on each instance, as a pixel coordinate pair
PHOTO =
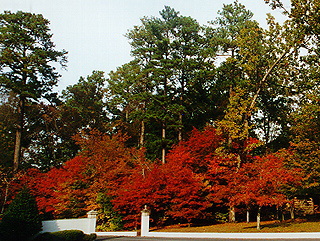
(305, 224)
(272, 225)
(278, 225)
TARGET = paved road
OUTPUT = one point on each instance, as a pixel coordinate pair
(185, 239)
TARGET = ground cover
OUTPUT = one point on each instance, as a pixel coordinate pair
(266, 226)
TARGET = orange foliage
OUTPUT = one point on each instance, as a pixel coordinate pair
(199, 172)
(172, 192)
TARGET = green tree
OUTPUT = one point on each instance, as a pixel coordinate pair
(46, 146)
(83, 108)
(22, 220)
(306, 142)
(297, 76)
(231, 84)
(241, 37)
(129, 93)
(233, 18)
(260, 75)
(87, 100)
(7, 120)
(264, 66)
(175, 59)
(27, 57)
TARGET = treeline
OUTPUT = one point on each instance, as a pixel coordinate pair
(201, 180)
(171, 129)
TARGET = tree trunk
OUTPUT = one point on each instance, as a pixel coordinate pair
(261, 83)
(259, 218)
(292, 212)
(232, 214)
(163, 144)
(17, 150)
(142, 132)
(5, 197)
(180, 128)
(143, 125)
(183, 83)
(248, 215)
(17, 145)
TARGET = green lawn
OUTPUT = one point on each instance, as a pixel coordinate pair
(268, 227)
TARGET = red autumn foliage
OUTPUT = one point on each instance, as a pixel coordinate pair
(230, 172)
(71, 190)
(108, 158)
(265, 180)
(172, 192)
(199, 172)
(37, 183)
(57, 189)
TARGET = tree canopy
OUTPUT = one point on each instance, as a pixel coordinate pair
(26, 63)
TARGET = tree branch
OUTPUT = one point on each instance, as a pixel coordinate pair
(263, 80)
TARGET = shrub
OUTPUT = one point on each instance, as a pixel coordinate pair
(90, 237)
(221, 217)
(21, 221)
(108, 218)
(48, 237)
(70, 235)
(67, 235)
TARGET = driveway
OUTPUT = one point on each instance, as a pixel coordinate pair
(188, 239)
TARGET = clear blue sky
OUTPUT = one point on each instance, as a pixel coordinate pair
(92, 31)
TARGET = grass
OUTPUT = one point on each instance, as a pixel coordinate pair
(267, 227)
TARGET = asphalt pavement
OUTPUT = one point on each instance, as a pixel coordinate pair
(186, 239)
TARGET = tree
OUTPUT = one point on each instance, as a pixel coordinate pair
(206, 154)
(232, 20)
(258, 181)
(266, 181)
(83, 108)
(303, 121)
(234, 83)
(87, 181)
(27, 63)
(306, 141)
(177, 66)
(172, 192)
(21, 221)
(45, 146)
(7, 120)
(86, 98)
(265, 67)
(129, 94)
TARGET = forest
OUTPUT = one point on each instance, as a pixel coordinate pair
(206, 124)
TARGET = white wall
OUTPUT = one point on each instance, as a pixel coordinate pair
(87, 225)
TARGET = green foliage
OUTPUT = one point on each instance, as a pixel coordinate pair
(221, 217)
(27, 57)
(67, 235)
(27, 53)
(21, 221)
(45, 144)
(86, 100)
(108, 218)
(7, 120)
(164, 92)
(233, 18)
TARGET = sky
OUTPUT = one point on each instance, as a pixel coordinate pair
(93, 31)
